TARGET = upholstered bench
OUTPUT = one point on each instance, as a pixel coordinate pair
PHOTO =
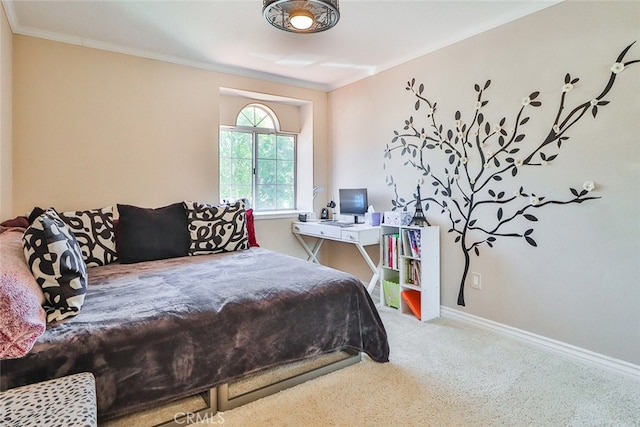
(68, 401)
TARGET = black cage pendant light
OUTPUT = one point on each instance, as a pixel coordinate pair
(301, 16)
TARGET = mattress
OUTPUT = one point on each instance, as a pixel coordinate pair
(157, 331)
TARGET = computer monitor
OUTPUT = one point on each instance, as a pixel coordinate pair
(353, 201)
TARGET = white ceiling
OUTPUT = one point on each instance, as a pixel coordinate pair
(232, 36)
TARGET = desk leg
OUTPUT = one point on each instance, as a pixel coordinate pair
(372, 266)
(315, 250)
(312, 253)
(313, 256)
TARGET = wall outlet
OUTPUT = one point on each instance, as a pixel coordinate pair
(476, 280)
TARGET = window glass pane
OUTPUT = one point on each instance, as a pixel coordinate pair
(285, 196)
(235, 165)
(226, 171)
(266, 146)
(243, 172)
(266, 199)
(263, 119)
(243, 120)
(286, 147)
(285, 172)
(224, 190)
(240, 192)
(253, 116)
(242, 147)
(225, 144)
(232, 192)
(266, 172)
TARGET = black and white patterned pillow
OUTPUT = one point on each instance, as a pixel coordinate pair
(214, 229)
(55, 259)
(95, 233)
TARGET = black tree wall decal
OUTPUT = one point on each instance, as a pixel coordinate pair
(463, 191)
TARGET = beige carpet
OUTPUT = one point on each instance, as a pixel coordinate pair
(443, 373)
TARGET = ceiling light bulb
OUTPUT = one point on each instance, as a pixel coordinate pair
(301, 19)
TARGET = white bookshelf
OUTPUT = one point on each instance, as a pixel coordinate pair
(416, 270)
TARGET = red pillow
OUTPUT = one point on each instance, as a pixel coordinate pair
(19, 221)
(251, 230)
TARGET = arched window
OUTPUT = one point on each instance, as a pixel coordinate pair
(255, 115)
(257, 161)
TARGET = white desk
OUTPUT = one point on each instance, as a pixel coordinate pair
(358, 235)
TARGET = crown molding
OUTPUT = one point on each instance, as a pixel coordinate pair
(16, 28)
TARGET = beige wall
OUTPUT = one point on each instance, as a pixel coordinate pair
(6, 161)
(580, 285)
(95, 128)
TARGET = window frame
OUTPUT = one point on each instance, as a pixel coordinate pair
(254, 132)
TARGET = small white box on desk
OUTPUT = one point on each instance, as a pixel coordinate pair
(392, 218)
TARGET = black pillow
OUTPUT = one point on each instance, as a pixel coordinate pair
(150, 234)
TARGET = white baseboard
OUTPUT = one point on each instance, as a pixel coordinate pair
(581, 355)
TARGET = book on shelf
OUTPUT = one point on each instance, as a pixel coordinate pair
(391, 250)
(406, 243)
(412, 272)
(415, 242)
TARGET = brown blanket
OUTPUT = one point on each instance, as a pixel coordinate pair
(161, 330)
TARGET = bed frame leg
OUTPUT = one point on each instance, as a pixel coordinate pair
(208, 413)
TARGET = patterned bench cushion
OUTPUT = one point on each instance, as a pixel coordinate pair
(68, 401)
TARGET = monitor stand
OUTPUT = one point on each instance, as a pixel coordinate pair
(355, 219)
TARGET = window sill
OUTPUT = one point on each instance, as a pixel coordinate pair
(276, 214)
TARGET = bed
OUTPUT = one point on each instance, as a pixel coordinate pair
(157, 331)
